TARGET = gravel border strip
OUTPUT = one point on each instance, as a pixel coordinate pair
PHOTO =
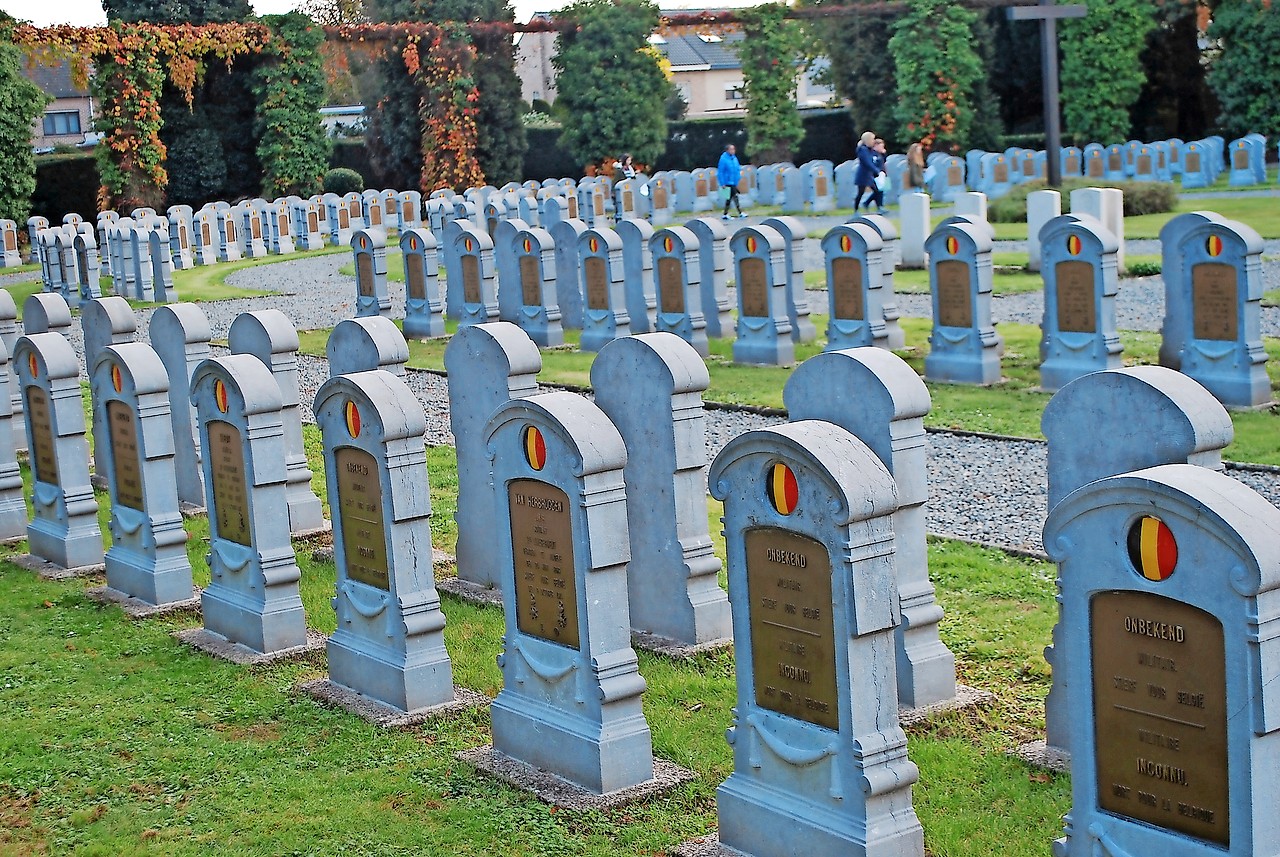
(220, 647)
(385, 716)
(136, 608)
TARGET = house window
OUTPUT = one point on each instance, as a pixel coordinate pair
(58, 124)
(733, 92)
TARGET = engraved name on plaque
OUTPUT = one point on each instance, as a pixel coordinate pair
(754, 288)
(542, 544)
(360, 516)
(364, 277)
(417, 283)
(1144, 164)
(1240, 159)
(230, 493)
(1076, 311)
(1160, 700)
(955, 177)
(43, 457)
(792, 631)
(529, 281)
(846, 282)
(955, 309)
(1192, 164)
(123, 433)
(1001, 173)
(659, 197)
(1213, 301)
(1096, 170)
(594, 272)
(671, 285)
(470, 279)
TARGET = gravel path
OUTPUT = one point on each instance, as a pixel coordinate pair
(994, 489)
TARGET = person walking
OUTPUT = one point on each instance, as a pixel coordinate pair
(625, 168)
(915, 168)
(864, 175)
(728, 174)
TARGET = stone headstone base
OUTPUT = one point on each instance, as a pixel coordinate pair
(191, 510)
(220, 647)
(136, 608)
(476, 593)
(315, 532)
(966, 697)
(439, 559)
(551, 789)
(704, 846)
(675, 649)
(1265, 406)
(50, 571)
(384, 716)
(1041, 755)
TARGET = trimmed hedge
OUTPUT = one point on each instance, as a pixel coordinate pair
(65, 183)
(1139, 198)
(342, 181)
(544, 159)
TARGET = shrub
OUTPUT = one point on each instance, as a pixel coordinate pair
(342, 181)
(1139, 198)
(1142, 269)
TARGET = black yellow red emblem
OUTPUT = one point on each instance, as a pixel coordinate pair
(1152, 548)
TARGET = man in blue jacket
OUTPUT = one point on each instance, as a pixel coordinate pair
(728, 174)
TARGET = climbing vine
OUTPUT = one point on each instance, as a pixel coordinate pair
(771, 57)
(936, 76)
(292, 145)
(448, 110)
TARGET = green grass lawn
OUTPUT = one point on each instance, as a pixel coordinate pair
(119, 740)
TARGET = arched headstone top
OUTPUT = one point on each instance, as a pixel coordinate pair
(140, 367)
(45, 311)
(651, 356)
(580, 425)
(712, 226)
(643, 228)
(368, 240)
(982, 226)
(471, 239)
(375, 334)
(539, 239)
(1248, 242)
(417, 239)
(186, 318)
(852, 484)
(862, 233)
(607, 239)
(117, 315)
(84, 241)
(246, 378)
(874, 374)
(8, 309)
(1176, 226)
(1082, 226)
(480, 344)
(396, 412)
(47, 354)
(263, 331)
(769, 239)
(680, 239)
(977, 239)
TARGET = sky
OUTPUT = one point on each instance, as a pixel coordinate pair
(85, 13)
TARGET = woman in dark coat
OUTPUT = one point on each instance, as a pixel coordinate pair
(864, 175)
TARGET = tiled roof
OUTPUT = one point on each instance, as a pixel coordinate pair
(693, 50)
(54, 80)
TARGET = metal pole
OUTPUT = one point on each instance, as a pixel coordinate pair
(1052, 124)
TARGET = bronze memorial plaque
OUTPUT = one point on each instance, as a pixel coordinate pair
(597, 200)
(42, 445)
(230, 491)
(364, 535)
(660, 197)
(313, 222)
(846, 285)
(700, 187)
(596, 275)
(364, 274)
(955, 307)
(1028, 167)
(231, 232)
(820, 186)
(628, 201)
(470, 280)
(1114, 163)
(1160, 713)
(530, 281)
(406, 212)
(671, 285)
(792, 631)
(573, 206)
(204, 234)
(1095, 168)
(375, 215)
(1191, 163)
(754, 287)
(10, 240)
(1213, 301)
(1144, 165)
(542, 544)
(416, 281)
(1240, 159)
(125, 455)
(389, 206)
(780, 183)
(955, 176)
(1002, 173)
(1073, 165)
(1076, 310)
(256, 225)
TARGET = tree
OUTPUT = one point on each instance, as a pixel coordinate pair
(1176, 100)
(862, 69)
(1246, 73)
(612, 87)
(771, 63)
(289, 84)
(1013, 72)
(21, 102)
(938, 69)
(1102, 73)
(177, 11)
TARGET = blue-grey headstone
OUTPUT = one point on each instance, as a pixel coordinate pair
(534, 255)
(794, 234)
(889, 259)
(571, 688)
(477, 286)
(676, 273)
(605, 316)
(270, 337)
(1176, 327)
(369, 247)
(487, 364)
(651, 386)
(228, 245)
(87, 268)
(366, 344)
(816, 690)
(46, 312)
(9, 255)
(504, 234)
(853, 254)
(1078, 333)
(637, 263)
(9, 333)
(566, 234)
(64, 530)
(389, 642)
(713, 263)
(963, 346)
(252, 597)
(147, 559)
(180, 334)
(662, 199)
(764, 326)
(423, 305)
(161, 269)
(104, 321)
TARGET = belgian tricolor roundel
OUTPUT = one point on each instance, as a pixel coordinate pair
(846, 243)
(116, 380)
(1214, 245)
(33, 365)
(528, 245)
(595, 245)
(413, 243)
(783, 490)
(751, 244)
(1073, 245)
(220, 395)
(468, 245)
(667, 243)
(352, 413)
(535, 448)
(1152, 549)
(953, 245)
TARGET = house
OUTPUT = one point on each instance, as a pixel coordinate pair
(534, 52)
(68, 118)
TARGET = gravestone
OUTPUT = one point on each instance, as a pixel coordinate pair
(1095, 161)
(269, 336)
(365, 344)
(105, 220)
(793, 189)
(628, 201)
(423, 306)
(676, 273)
(1163, 576)
(963, 346)
(279, 229)
(713, 270)
(308, 222)
(55, 281)
(204, 245)
(141, 282)
(1144, 164)
(64, 527)
(161, 268)
(682, 185)
(889, 258)
(88, 280)
(884, 406)
(567, 234)
(180, 237)
(409, 209)
(794, 235)
(554, 208)
(389, 642)
(1078, 333)
(1175, 328)
(996, 177)
(35, 225)
(503, 233)
(916, 226)
(1105, 204)
(252, 597)
(637, 264)
(605, 315)
(180, 335)
(1218, 283)
(534, 255)
(253, 243)
(369, 247)
(495, 211)
(1116, 163)
(1071, 161)
(9, 255)
(948, 179)
(1195, 167)
(853, 254)
(819, 761)
(704, 185)
(1042, 206)
(133, 448)
(104, 321)
(844, 182)
(354, 202)
(9, 333)
(818, 189)
(1240, 157)
(571, 689)
(472, 279)
(13, 508)
(486, 365)
(662, 200)
(764, 326)
(46, 312)
(672, 578)
(227, 243)
(371, 210)
(769, 184)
